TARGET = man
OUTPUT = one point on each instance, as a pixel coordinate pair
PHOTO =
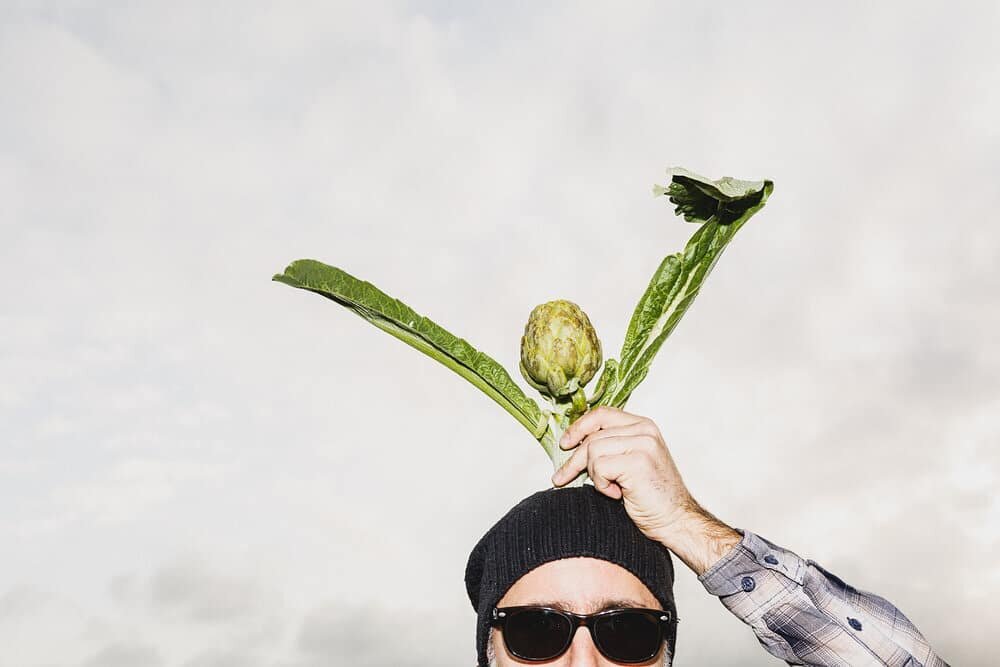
(583, 576)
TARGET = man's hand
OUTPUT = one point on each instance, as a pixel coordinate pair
(627, 459)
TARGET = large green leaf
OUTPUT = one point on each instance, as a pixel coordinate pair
(396, 318)
(721, 208)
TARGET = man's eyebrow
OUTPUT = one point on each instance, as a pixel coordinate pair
(603, 604)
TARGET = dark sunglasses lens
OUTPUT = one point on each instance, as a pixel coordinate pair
(628, 636)
(536, 634)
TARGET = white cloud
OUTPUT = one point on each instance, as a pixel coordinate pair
(160, 397)
(130, 490)
(125, 654)
(191, 590)
(223, 659)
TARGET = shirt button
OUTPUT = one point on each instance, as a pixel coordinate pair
(771, 560)
(748, 584)
(854, 623)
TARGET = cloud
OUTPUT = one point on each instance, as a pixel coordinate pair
(338, 633)
(833, 387)
(191, 590)
(126, 654)
(223, 659)
(20, 601)
(207, 615)
(130, 489)
(43, 624)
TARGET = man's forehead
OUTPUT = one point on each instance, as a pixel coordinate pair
(587, 606)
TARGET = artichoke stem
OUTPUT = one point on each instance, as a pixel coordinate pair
(557, 426)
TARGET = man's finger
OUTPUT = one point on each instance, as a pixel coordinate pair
(576, 464)
(594, 420)
(616, 470)
(629, 436)
(612, 490)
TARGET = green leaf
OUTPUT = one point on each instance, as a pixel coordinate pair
(721, 208)
(399, 320)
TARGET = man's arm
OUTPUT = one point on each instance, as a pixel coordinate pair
(799, 612)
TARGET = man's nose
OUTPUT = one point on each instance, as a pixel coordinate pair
(582, 652)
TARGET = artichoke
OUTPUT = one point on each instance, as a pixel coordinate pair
(560, 351)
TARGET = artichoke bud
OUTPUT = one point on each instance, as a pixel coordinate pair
(560, 350)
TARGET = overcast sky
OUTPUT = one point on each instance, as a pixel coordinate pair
(202, 468)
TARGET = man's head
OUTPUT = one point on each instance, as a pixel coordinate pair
(576, 550)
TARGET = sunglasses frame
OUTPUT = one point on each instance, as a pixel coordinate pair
(501, 614)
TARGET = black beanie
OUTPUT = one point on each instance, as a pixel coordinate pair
(563, 523)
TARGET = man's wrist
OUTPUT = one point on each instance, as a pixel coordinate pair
(698, 538)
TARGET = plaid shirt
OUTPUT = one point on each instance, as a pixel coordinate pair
(807, 616)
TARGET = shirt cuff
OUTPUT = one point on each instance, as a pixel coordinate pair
(734, 572)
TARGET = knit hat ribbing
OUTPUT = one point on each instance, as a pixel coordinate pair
(562, 523)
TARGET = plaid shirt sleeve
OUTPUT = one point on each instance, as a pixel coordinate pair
(807, 616)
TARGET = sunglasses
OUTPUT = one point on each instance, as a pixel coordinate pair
(536, 634)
